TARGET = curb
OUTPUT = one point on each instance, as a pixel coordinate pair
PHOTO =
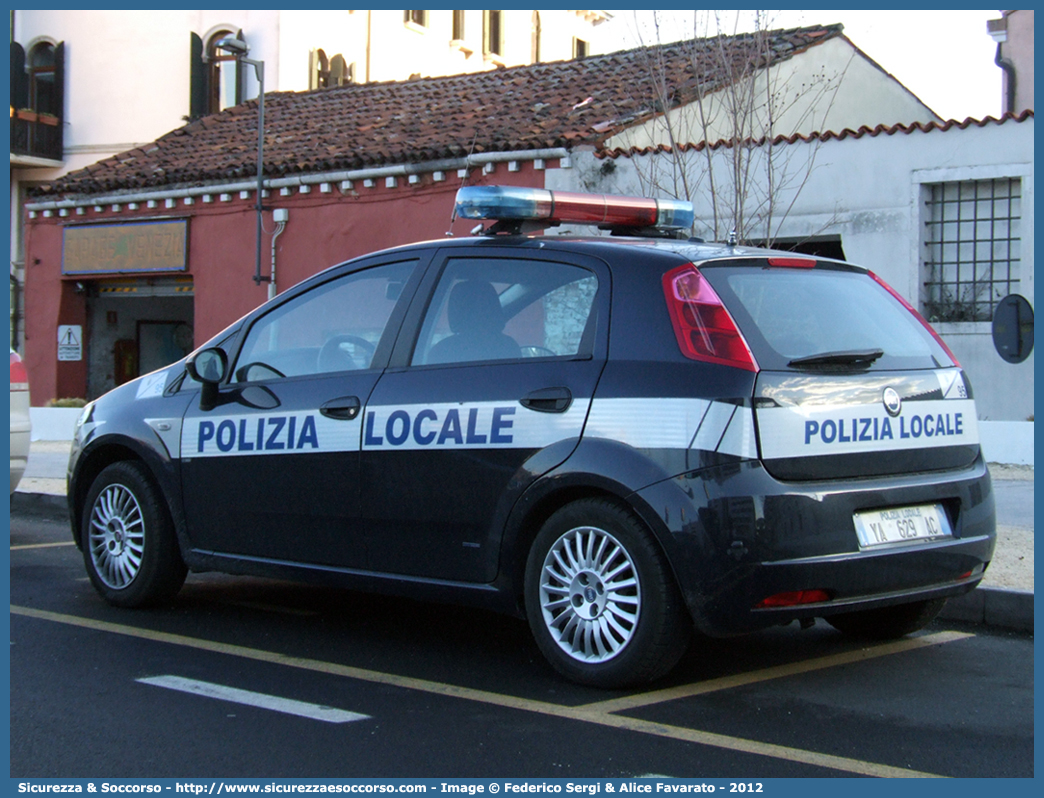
(40, 501)
(993, 607)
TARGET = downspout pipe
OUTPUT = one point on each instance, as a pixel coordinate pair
(1009, 72)
(280, 227)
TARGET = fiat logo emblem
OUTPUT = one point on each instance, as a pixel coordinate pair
(892, 403)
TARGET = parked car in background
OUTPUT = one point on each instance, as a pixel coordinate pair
(20, 426)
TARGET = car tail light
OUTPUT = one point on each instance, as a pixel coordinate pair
(702, 324)
(918, 316)
(19, 376)
(793, 599)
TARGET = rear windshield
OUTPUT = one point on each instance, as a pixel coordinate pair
(788, 314)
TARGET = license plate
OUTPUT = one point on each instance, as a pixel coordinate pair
(902, 525)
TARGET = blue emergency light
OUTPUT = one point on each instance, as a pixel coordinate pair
(554, 207)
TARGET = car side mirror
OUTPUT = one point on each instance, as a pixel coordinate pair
(208, 367)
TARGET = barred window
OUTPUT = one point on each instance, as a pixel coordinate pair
(972, 247)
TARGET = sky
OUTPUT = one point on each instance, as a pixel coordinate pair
(944, 57)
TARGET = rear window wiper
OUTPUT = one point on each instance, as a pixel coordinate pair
(856, 357)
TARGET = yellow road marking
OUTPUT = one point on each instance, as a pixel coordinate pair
(583, 714)
(755, 747)
(41, 545)
(777, 672)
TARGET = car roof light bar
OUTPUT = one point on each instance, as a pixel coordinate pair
(516, 203)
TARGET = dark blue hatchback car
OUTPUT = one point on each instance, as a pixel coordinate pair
(621, 438)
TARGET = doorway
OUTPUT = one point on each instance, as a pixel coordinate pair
(134, 327)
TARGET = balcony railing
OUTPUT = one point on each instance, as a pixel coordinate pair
(36, 134)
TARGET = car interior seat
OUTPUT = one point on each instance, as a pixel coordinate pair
(476, 320)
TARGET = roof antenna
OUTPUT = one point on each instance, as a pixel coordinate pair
(453, 213)
(732, 237)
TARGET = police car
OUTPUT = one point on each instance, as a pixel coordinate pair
(621, 438)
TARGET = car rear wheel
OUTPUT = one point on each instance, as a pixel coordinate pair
(886, 623)
(601, 601)
(129, 545)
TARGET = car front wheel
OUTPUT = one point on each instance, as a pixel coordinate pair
(601, 601)
(129, 545)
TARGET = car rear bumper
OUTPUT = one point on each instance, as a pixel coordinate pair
(861, 581)
(737, 536)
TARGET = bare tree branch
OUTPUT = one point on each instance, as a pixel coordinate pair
(728, 132)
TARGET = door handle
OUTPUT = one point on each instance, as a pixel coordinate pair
(548, 400)
(344, 408)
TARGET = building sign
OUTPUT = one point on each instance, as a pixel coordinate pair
(70, 342)
(120, 248)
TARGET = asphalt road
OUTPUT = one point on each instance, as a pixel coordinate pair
(453, 692)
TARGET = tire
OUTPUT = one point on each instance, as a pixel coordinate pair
(128, 540)
(887, 623)
(593, 631)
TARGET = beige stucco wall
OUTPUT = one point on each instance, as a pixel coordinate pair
(398, 50)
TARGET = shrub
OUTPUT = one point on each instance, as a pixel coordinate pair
(70, 401)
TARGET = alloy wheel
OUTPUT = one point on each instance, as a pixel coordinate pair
(117, 536)
(590, 594)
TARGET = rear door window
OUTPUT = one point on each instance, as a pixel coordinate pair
(487, 309)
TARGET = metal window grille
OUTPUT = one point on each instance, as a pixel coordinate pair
(972, 247)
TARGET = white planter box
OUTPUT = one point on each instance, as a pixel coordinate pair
(53, 423)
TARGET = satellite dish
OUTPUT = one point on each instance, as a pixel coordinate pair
(1013, 328)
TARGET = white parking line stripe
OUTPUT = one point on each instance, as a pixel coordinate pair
(237, 696)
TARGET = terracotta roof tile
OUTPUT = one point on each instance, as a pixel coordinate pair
(559, 104)
(847, 133)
